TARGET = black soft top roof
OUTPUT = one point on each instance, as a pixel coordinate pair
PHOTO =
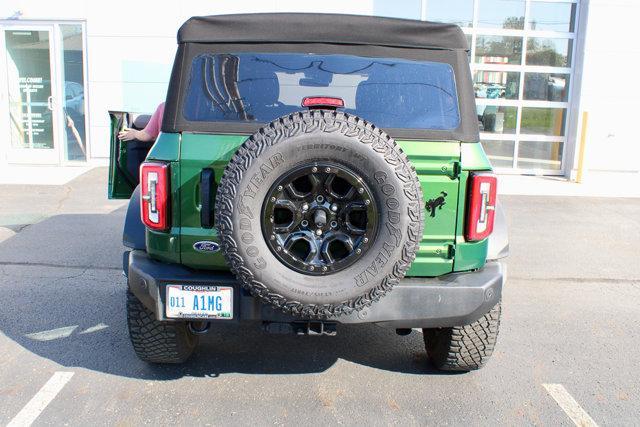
(321, 28)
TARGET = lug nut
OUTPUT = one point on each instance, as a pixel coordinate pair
(305, 207)
(358, 251)
(334, 207)
(319, 232)
(314, 169)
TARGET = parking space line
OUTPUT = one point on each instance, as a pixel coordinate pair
(41, 400)
(96, 328)
(53, 334)
(569, 405)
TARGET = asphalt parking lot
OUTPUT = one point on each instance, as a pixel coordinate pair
(569, 336)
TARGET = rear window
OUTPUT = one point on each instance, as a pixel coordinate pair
(260, 87)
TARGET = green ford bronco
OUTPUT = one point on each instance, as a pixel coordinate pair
(313, 171)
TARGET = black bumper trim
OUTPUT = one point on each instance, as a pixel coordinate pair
(451, 300)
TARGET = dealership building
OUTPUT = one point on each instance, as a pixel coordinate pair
(552, 78)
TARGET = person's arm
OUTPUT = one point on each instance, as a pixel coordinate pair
(130, 134)
(151, 130)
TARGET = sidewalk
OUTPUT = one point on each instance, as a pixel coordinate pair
(41, 175)
(24, 204)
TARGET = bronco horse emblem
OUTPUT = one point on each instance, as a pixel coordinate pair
(436, 203)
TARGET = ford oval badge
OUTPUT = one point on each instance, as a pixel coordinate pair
(206, 246)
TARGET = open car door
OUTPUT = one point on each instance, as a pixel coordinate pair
(125, 157)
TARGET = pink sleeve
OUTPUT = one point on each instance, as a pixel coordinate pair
(153, 127)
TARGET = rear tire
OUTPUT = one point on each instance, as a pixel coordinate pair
(463, 348)
(155, 341)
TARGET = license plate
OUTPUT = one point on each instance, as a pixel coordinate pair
(199, 301)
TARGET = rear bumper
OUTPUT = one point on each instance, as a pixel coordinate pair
(451, 300)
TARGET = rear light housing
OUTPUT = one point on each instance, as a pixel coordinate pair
(322, 102)
(481, 210)
(154, 195)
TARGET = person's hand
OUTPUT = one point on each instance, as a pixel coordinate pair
(127, 134)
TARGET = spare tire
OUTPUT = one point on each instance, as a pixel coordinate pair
(319, 214)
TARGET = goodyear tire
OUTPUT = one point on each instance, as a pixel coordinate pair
(388, 192)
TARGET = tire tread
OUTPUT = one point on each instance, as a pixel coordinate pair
(155, 341)
(464, 348)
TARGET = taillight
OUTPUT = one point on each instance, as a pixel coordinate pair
(482, 206)
(154, 197)
(322, 102)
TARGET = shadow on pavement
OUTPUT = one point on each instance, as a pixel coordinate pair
(63, 297)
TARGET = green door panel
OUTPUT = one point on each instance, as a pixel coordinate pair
(121, 182)
(197, 152)
(437, 165)
(473, 157)
(434, 257)
(433, 158)
(166, 148)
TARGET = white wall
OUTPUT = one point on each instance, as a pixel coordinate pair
(610, 91)
(131, 45)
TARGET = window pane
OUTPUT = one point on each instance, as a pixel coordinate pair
(543, 121)
(497, 119)
(498, 50)
(73, 74)
(546, 87)
(500, 153)
(540, 155)
(550, 52)
(458, 12)
(260, 87)
(501, 14)
(552, 16)
(496, 84)
(29, 88)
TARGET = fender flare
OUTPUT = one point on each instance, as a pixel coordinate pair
(133, 235)
(499, 239)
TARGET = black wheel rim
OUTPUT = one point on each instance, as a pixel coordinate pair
(319, 218)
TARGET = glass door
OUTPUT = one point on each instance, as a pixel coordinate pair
(72, 105)
(31, 93)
